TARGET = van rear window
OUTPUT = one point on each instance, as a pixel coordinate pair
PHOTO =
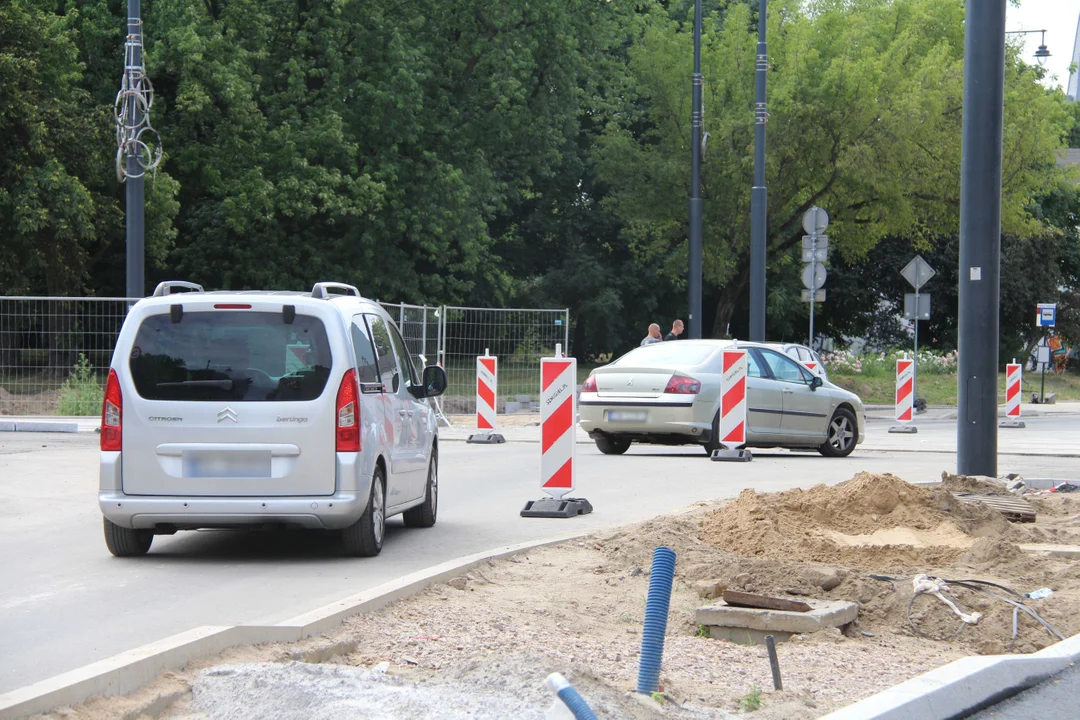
(230, 356)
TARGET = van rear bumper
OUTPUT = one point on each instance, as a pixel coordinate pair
(181, 513)
(175, 512)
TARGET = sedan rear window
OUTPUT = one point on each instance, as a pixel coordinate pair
(667, 353)
(244, 356)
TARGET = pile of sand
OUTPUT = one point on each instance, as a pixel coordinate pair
(876, 521)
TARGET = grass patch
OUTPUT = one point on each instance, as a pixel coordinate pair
(941, 389)
(752, 700)
(81, 394)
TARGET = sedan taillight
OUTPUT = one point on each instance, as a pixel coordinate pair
(682, 385)
(589, 385)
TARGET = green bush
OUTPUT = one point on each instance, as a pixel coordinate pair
(81, 394)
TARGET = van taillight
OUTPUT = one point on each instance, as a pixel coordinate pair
(112, 414)
(348, 414)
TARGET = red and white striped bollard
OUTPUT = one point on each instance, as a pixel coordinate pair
(732, 425)
(558, 437)
(1014, 376)
(905, 397)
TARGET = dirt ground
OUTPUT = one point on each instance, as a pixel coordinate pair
(578, 608)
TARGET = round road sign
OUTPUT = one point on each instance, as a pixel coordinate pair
(815, 220)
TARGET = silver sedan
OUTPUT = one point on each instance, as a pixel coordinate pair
(669, 394)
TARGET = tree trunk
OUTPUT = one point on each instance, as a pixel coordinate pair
(725, 306)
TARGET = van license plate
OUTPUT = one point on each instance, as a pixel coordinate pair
(627, 416)
(227, 464)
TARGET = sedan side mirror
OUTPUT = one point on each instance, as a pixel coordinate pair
(434, 381)
(816, 382)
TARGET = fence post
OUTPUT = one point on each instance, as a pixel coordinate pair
(566, 330)
(423, 336)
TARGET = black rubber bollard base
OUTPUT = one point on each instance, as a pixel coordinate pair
(1011, 424)
(486, 438)
(551, 508)
(905, 429)
(726, 455)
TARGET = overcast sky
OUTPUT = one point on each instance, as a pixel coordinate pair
(1058, 18)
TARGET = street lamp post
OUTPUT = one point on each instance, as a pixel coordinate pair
(980, 237)
(759, 201)
(1042, 54)
(135, 262)
(696, 120)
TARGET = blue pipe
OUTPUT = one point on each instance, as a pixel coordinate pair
(570, 697)
(656, 615)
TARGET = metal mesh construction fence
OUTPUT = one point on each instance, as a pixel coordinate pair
(518, 337)
(55, 352)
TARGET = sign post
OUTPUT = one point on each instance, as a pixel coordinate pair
(1014, 373)
(1045, 317)
(732, 425)
(905, 397)
(815, 250)
(558, 431)
(487, 393)
(917, 272)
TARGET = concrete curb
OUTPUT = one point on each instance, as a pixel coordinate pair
(38, 426)
(130, 670)
(964, 686)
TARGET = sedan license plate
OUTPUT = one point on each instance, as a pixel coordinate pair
(627, 416)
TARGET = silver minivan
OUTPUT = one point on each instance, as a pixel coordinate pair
(274, 409)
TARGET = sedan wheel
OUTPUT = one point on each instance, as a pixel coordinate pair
(612, 446)
(842, 434)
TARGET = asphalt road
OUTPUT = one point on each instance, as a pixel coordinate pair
(1053, 699)
(65, 602)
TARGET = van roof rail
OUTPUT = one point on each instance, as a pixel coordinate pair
(169, 287)
(322, 290)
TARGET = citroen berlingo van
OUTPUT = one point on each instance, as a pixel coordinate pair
(273, 409)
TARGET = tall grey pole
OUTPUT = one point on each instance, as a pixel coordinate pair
(696, 120)
(759, 200)
(980, 237)
(135, 195)
(915, 362)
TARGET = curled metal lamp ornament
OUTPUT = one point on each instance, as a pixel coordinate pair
(135, 137)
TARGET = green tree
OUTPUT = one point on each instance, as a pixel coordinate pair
(864, 120)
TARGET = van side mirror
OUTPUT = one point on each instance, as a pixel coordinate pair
(816, 382)
(434, 381)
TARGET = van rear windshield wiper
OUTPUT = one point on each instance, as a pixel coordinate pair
(218, 384)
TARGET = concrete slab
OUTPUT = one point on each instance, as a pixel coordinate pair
(7, 426)
(750, 625)
(1062, 551)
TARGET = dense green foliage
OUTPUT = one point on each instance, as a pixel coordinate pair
(534, 154)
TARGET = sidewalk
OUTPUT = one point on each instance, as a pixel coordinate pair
(948, 412)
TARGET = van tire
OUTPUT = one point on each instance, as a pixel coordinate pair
(425, 514)
(364, 538)
(127, 542)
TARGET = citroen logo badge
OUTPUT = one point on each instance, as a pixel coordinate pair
(226, 414)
